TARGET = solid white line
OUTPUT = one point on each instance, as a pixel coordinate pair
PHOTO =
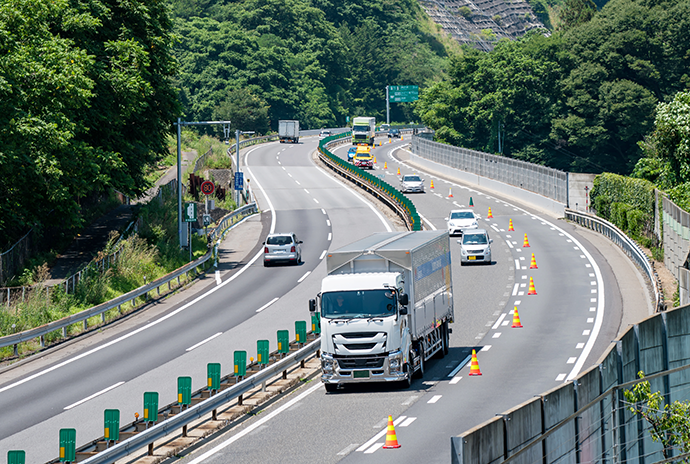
(427, 221)
(267, 305)
(498, 322)
(380, 434)
(434, 399)
(105, 390)
(204, 341)
(460, 366)
(323, 254)
(407, 422)
(255, 425)
(303, 277)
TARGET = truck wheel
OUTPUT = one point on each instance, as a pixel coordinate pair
(407, 383)
(446, 338)
(420, 372)
(331, 387)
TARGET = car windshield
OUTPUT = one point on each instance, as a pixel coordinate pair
(462, 215)
(360, 128)
(411, 179)
(474, 239)
(279, 240)
(352, 150)
(358, 304)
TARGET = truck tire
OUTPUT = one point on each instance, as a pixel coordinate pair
(446, 338)
(331, 387)
(407, 383)
(420, 371)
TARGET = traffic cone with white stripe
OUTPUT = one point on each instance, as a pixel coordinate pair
(398, 171)
(516, 319)
(533, 264)
(391, 438)
(490, 215)
(532, 290)
(525, 243)
(432, 183)
(450, 192)
(474, 364)
(375, 160)
(385, 165)
(510, 225)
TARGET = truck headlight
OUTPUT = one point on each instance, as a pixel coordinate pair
(327, 363)
(395, 361)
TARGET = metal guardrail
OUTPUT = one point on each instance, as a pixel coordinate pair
(628, 246)
(175, 423)
(83, 316)
(378, 187)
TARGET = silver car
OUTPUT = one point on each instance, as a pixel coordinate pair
(411, 183)
(475, 247)
(461, 219)
(282, 248)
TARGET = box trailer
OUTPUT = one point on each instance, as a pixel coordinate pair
(288, 130)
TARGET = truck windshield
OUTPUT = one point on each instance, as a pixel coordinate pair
(358, 304)
(360, 128)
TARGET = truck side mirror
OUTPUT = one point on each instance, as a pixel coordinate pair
(312, 306)
(403, 311)
(404, 299)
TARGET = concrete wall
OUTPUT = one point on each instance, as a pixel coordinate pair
(584, 430)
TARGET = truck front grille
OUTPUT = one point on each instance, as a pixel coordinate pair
(359, 346)
(361, 363)
(350, 335)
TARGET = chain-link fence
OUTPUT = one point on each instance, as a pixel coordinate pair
(535, 178)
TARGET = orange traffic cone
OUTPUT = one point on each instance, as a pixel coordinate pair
(432, 183)
(391, 439)
(532, 290)
(398, 171)
(525, 244)
(489, 215)
(374, 160)
(450, 192)
(390, 140)
(533, 264)
(474, 364)
(510, 226)
(385, 165)
(516, 319)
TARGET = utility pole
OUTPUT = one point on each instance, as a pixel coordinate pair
(388, 107)
(237, 152)
(181, 231)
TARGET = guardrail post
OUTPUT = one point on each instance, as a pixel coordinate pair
(16, 350)
(43, 341)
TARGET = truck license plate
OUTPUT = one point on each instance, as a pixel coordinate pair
(360, 374)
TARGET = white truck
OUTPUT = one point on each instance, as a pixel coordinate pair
(288, 130)
(384, 307)
(363, 130)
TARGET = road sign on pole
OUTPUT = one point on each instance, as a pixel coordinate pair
(239, 181)
(190, 212)
(207, 187)
(403, 93)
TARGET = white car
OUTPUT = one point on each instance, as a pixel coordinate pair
(282, 248)
(461, 219)
(475, 247)
(324, 133)
(411, 183)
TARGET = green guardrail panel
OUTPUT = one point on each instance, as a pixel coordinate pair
(213, 375)
(68, 445)
(111, 424)
(240, 358)
(150, 407)
(283, 341)
(184, 390)
(316, 323)
(301, 331)
(16, 457)
(262, 353)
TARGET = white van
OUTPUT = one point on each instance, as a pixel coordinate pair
(475, 247)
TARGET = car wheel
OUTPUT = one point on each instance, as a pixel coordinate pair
(265, 263)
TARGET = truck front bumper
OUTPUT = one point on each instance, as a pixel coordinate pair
(379, 368)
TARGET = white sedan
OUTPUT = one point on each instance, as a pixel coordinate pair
(461, 219)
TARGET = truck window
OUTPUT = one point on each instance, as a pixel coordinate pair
(358, 304)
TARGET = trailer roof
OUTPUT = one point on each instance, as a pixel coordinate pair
(394, 246)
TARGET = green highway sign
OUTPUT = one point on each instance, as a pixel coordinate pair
(189, 212)
(403, 93)
(398, 88)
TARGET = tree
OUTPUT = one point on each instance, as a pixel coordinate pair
(245, 110)
(576, 12)
(669, 425)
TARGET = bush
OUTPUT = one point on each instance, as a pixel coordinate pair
(619, 215)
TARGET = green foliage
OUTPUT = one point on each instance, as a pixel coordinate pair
(626, 202)
(85, 100)
(680, 195)
(669, 424)
(576, 12)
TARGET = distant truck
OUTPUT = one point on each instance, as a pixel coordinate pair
(363, 130)
(384, 307)
(288, 130)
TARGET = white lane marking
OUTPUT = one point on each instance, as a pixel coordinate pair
(218, 281)
(486, 348)
(495, 228)
(498, 322)
(323, 254)
(409, 401)
(509, 244)
(517, 263)
(592, 309)
(255, 425)
(560, 377)
(267, 305)
(454, 380)
(306, 190)
(427, 221)
(434, 399)
(204, 341)
(330, 236)
(315, 200)
(460, 366)
(579, 346)
(586, 332)
(407, 422)
(303, 277)
(374, 448)
(517, 303)
(105, 390)
(571, 360)
(496, 335)
(590, 320)
(328, 222)
(297, 182)
(378, 435)
(323, 211)
(515, 289)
